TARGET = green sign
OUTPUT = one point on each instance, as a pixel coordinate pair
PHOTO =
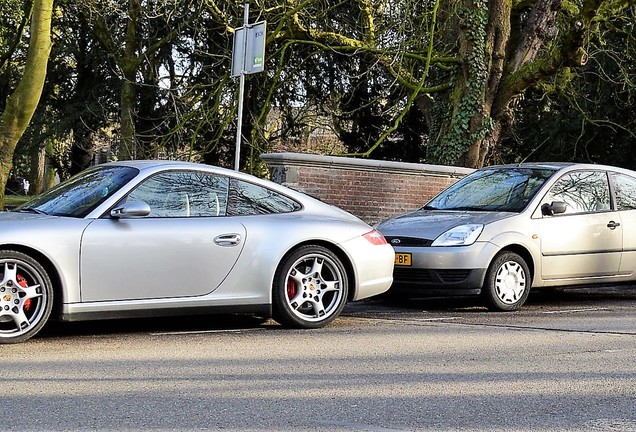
(248, 53)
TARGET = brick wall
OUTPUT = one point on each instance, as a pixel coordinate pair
(370, 189)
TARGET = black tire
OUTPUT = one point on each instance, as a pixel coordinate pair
(26, 297)
(310, 288)
(507, 283)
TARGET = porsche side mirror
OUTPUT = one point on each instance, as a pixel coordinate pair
(556, 207)
(132, 209)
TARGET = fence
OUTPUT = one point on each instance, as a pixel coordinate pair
(373, 190)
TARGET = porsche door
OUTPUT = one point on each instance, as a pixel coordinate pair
(185, 247)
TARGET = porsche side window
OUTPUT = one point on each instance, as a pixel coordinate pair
(625, 191)
(582, 192)
(183, 194)
(250, 199)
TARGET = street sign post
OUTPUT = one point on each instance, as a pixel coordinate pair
(248, 52)
(248, 57)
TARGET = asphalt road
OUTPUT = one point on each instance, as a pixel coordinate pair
(565, 362)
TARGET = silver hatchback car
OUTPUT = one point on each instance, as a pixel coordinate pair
(503, 230)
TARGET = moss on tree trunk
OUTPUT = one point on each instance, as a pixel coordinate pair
(24, 100)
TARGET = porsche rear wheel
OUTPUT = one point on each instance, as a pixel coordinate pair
(310, 288)
(26, 296)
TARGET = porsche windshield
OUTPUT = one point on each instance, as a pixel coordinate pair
(497, 189)
(82, 193)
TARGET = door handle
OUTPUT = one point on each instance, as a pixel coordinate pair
(228, 239)
(612, 225)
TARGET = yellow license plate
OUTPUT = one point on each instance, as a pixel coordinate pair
(402, 259)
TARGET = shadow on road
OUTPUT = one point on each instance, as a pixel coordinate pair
(539, 298)
(559, 298)
(192, 323)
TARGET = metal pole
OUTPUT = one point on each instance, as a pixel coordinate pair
(239, 124)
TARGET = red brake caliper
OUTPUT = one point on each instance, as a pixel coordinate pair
(23, 283)
(291, 288)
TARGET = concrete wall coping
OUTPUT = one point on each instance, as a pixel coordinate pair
(339, 162)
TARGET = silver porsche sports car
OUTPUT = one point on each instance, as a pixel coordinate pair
(155, 238)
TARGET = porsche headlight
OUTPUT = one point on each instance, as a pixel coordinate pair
(462, 235)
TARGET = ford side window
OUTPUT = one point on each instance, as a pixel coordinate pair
(624, 191)
(582, 192)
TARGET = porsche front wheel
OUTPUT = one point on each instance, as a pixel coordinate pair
(310, 288)
(26, 297)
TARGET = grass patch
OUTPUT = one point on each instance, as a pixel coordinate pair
(12, 201)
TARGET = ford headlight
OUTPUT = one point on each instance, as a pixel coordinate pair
(462, 235)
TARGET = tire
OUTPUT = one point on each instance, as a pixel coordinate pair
(310, 288)
(508, 282)
(26, 297)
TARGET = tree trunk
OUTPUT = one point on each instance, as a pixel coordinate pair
(82, 151)
(129, 65)
(22, 103)
(36, 172)
(497, 37)
(484, 30)
(499, 62)
(128, 145)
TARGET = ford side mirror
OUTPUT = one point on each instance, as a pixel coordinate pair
(556, 207)
(132, 209)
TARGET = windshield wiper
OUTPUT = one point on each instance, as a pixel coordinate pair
(467, 208)
(32, 210)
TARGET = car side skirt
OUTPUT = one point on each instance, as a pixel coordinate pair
(264, 310)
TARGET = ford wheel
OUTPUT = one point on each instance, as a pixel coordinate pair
(507, 283)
